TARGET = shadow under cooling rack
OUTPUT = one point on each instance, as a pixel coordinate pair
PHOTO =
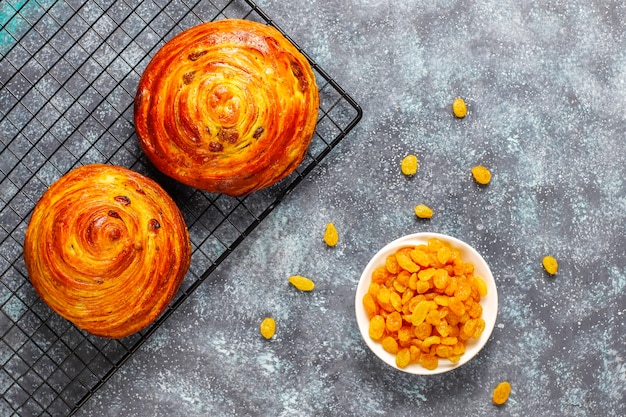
(68, 74)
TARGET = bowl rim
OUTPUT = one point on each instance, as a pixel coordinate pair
(489, 302)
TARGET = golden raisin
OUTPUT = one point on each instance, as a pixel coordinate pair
(399, 285)
(409, 165)
(415, 353)
(481, 286)
(403, 279)
(426, 274)
(423, 330)
(550, 264)
(501, 393)
(405, 262)
(377, 327)
(459, 108)
(468, 328)
(392, 264)
(434, 244)
(373, 289)
(395, 300)
(384, 295)
(449, 341)
(404, 334)
(407, 296)
(463, 291)
(443, 351)
(403, 358)
(481, 174)
(441, 279)
(413, 281)
(394, 322)
(422, 286)
(429, 361)
(458, 349)
(476, 310)
(423, 211)
(480, 327)
(390, 344)
(331, 237)
(420, 313)
(302, 283)
(431, 340)
(451, 288)
(380, 274)
(433, 317)
(444, 254)
(456, 306)
(268, 327)
(420, 257)
(371, 308)
(442, 300)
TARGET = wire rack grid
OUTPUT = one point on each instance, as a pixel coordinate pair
(68, 75)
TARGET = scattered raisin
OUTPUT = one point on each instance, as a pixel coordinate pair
(459, 108)
(481, 174)
(302, 283)
(501, 393)
(268, 327)
(331, 237)
(409, 165)
(550, 264)
(423, 211)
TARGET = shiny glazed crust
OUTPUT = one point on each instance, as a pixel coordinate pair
(227, 106)
(107, 249)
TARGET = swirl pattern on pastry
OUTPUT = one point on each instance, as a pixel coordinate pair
(107, 249)
(227, 106)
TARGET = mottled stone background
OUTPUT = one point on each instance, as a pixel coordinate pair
(545, 84)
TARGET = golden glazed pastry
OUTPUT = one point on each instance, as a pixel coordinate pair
(107, 249)
(227, 106)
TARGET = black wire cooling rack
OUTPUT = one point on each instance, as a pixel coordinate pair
(68, 75)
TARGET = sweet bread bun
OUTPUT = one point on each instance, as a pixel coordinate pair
(227, 106)
(107, 249)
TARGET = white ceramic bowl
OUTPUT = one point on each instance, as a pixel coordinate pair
(489, 302)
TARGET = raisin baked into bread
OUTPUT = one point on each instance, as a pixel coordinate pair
(107, 249)
(227, 106)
